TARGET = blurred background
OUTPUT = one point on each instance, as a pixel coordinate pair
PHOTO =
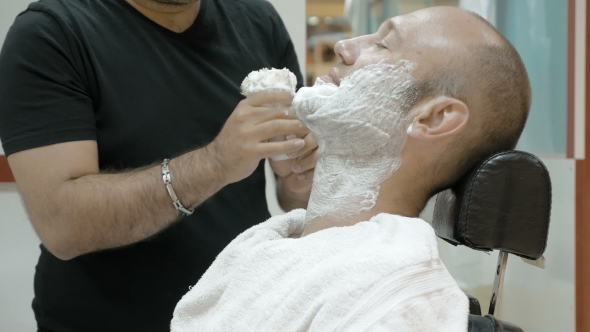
(545, 32)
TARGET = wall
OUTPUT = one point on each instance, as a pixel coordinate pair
(538, 31)
(19, 244)
(18, 253)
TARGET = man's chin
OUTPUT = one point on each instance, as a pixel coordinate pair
(310, 99)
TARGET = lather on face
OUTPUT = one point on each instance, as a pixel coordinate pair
(360, 128)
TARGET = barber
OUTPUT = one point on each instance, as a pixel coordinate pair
(95, 97)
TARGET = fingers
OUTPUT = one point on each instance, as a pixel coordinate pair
(263, 114)
(281, 168)
(305, 164)
(270, 96)
(310, 144)
(272, 149)
(259, 108)
(269, 129)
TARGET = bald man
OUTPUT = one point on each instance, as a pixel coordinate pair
(408, 112)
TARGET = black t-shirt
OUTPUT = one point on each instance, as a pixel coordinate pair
(100, 70)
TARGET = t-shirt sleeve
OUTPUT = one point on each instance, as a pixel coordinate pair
(43, 99)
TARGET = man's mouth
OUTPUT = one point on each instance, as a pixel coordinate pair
(332, 77)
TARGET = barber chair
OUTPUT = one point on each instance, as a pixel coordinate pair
(502, 204)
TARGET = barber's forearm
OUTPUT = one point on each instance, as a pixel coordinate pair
(289, 200)
(102, 211)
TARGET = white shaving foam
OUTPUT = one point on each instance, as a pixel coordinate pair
(260, 80)
(266, 78)
(361, 130)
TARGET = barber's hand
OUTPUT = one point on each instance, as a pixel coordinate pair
(297, 172)
(243, 141)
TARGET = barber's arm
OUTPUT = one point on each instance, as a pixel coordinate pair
(76, 210)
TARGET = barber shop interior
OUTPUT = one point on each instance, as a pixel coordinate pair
(294, 166)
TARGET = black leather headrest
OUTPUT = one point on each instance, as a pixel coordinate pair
(504, 203)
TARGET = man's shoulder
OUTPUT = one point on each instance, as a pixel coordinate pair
(67, 13)
(48, 20)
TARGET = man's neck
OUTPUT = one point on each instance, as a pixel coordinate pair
(396, 196)
(177, 20)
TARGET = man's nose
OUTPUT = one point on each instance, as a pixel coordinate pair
(347, 50)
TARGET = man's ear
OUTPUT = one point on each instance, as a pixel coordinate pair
(438, 118)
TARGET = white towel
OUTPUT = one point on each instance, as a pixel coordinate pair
(381, 275)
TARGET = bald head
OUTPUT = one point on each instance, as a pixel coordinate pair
(488, 75)
(430, 38)
(470, 96)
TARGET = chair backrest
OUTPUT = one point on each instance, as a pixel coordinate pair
(504, 203)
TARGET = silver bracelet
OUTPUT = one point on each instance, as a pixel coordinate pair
(168, 182)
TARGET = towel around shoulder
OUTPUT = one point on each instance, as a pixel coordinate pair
(380, 275)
